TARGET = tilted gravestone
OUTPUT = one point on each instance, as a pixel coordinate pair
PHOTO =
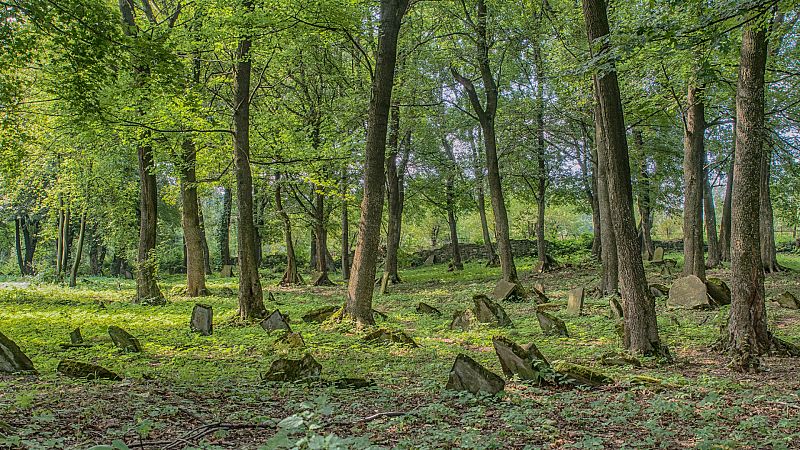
(12, 359)
(658, 255)
(658, 290)
(468, 375)
(124, 340)
(291, 370)
(227, 271)
(424, 308)
(384, 283)
(202, 320)
(385, 336)
(430, 260)
(575, 301)
(77, 369)
(615, 309)
(505, 290)
(581, 375)
(487, 311)
(75, 336)
(462, 320)
(516, 360)
(290, 339)
(688, 292)
(539, 287)
(551, 325)
(320, 315)
(718, 291)
(540, 298)
(276, 321)
(787, 300)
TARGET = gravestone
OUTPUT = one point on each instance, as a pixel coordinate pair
(124, 340)
(539, 297)
(468, 375)
(551, 325)
(615, 310)
(319, 315)
(290, 339)
(462, 320)
(227, 271)
(276, 321)
(487, 311)
(290, 370)
(505, 290)
(787, 300)
(516, 360)
(582, 375)
(77, 369)
(75, 336)
(202, 320)
(385, 336)
(539, 287)
(575, 301)
(658, 290)
(688, 292)
(539, 267)
(534, 350)
(384, 283)
(424, 308)
(718, 291)
(12, 359)
(658, 255)
(430, 260)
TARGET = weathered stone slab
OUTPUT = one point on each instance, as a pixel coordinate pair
(615, 310)
(507, 291)
(75, 336)
(77, 369)
(276, 321)
(124, 340)
(462, 320)
(582, 375)
(688, 292)
(575, 301)
(539, 287)
(12, 359)
(534, 351)
(468, 375)
(384, 283)
(385, 336)
(658, 290)
(718, 291)
(787, 300)
(227, 271)
(202, 320)
(352, 383)
(293, 340)
(320, 315)
(290, 370)
(551, 325)
(516, 360)
(538, 296)
(424, 308)
(430, 260)
(658, 255)
(539, 267)
(487, 311)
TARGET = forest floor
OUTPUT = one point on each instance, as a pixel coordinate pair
(183, 383)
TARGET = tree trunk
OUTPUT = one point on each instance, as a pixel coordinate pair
(766, 224)
(645, 199)
(66, 241)
(609, 284)
(594, 200)
(393, 196)
(541, 166)
(747, 327)
(60, 238)
(362, 278)
(190, 219)
(18, 246)
(345, 230)
(251, 301)
(450, 194)
(641, 330)
(73, 275)
(203, 239)
(491, 257)
(321, 234)
(693, 157)
(224, 238)
(290, 276)
(725, 226)
(710, 217)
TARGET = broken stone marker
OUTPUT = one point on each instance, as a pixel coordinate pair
(294, 369)
(75, 336)
(575, 301)
(468, 375)
(11, 357)
(430, 260)
(539, 296)
(619, 359)
(202, 320)
(539, 287)
(424, 308)
(534, 350)
(688, 292)
(462, 320)
(551, 325)
(352, 383)
(615, 308)
(516, 360)
(658, 290)
(787, 300)
(227, 271)
(124, 340)
(582, 375)
(658, 255)
(487, 311)
(507, 291)
(385, 336)
(276, 321)
(77, 369)
(718, 291)
(319, 315)
(290, 339)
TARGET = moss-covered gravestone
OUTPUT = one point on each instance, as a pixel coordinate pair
(487, 311)
(575, 301)
(424, 308)
(293, 340)
(787, 300)
(75, 336)
(468, 375)
(124, 340)
(507, 291)
(77, 369)
(615, 308)
(658, 255)
(582, 375)
(539, 296)
(718, 291)
(385, 336)
(320, 315)
(658, 290)
(202, 320)
(12, 359)
(462, 320)
(688, 292)
(227, 271)
(290, 370)
(276, 321)
(551, 325)
(517, 360)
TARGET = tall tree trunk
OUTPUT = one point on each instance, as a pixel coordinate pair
(609, 284)
(589, 172)
(362, 277)
(693, 157)
(486, 117)
(645, 199)
(747, 327)
(393, 195)
(766, 222)
(18, 246)
(725, 226)
(203, 239)
(224, 234)
(491, 256)
(450, 194)
(66, 241)
(290, 276)
(60, 238)
(345, 230)
(541, 166)
(73, 275)
(30, 235)
(641, 330)
(321, 240)
(710, 217)
(190, 219)
(251, 301)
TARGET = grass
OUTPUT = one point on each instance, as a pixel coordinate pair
(183, 380)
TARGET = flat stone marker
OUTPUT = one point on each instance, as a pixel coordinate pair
(289, 370)
(124, 340)
(575, 301)
(227, 271)
(507, 291)
(462, 320)
(718, 291)
(12, 359)
(290, 339)
(658, 255)
(319, 315)
(551, 325)
(658, 290)
(787, 300)
(688, 292)
(385, 336)
(516, 360)
(424, 308)
(582, 375)
(487, 311)
(615, 310)
(75, 336)
(202, 320)
(77, 369)
(276, 321)
(468, 375)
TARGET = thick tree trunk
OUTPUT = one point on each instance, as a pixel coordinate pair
(609, 280)
(747, 327)
(710, 217)
(393, 196)
(450, 195)
(251, 301)
(345, 230)
(641, 330)
(321, 241)
(594, 202)
(362, 278)
(290, 276)
(541, 165)
(224, 234)
(491, 256)
(693, 157)
(190, 219)
(73, 274)
(203, 239)
(725, 226)
(766, 222)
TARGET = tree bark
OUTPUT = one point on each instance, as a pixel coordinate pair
(203, 239)
(725, 226)
(18, 246)
(541, 165)
(491, 256)
(224, 234)
(641, 330)
(693, 157)
(321, 241)
(251, 301)
(190, 219)
(609, 279)
(393, 196)
(290, 276)
(710, 217)
(362, 277)
(766, 222)
(645, 199)
(345, 230)
(65, 242)
(450, 194)
(73, 275)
